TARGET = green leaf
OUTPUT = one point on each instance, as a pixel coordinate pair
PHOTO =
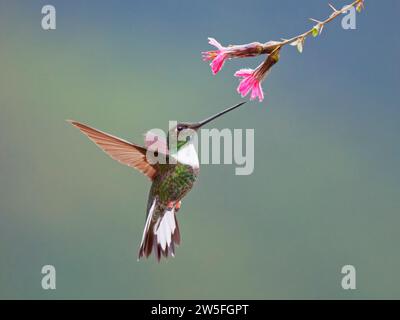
(315, 32)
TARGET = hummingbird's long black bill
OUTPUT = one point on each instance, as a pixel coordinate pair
(198, 125)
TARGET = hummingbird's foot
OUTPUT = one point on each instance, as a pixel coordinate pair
(170, 205)
(178, 206)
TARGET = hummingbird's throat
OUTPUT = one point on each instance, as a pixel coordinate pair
(180, 144)
(187, 155)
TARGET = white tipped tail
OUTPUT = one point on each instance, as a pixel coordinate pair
(161, 233)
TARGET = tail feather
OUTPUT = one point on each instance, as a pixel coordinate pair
(176, 237)
(161, 233)
(147, 238)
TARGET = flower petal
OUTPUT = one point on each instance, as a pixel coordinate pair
(260, 92)
(254, 92)
(215, 43)
(218, 63)
(244, 72)
(244, 87)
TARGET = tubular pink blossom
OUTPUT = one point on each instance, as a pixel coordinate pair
(217, 57)
(249, 83)
(252, 78)
(221, 54)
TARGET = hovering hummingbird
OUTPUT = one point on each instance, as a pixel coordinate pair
(171, 180)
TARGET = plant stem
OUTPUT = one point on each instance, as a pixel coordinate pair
(332, 17)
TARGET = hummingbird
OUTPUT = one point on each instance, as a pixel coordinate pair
(171, 180)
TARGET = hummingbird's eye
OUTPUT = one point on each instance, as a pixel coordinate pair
(179, 128)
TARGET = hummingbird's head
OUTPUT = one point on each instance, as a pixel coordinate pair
(182, 133)
(186, 131)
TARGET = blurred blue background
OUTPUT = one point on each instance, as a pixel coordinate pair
(326, 187)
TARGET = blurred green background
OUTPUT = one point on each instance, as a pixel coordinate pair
(326, 187)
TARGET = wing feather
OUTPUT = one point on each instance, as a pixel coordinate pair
(121, 150)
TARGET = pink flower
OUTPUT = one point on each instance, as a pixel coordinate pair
(250, 82)
(252, 78)
(217, 57)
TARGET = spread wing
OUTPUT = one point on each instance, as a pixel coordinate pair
(123, 151)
